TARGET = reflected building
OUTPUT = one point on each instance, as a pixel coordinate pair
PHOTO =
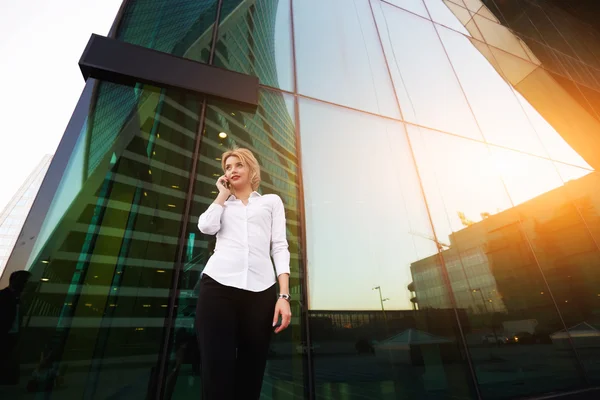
(557, 46)
(492, 271)
(561, 226)
(447, 147)
(339, 326)
(473, 283)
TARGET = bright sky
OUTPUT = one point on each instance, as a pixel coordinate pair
(40, 81)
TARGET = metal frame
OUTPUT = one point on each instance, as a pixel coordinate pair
(310, 391)
(174, 292)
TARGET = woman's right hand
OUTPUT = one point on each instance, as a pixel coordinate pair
(222, 185)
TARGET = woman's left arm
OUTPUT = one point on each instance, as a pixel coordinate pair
(281, 258)
(282, 307)
(279, 244)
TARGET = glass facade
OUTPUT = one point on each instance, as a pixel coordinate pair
(437, 162)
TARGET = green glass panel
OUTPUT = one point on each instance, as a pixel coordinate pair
(92, 323)
(255, 38)
(180, 27)
(270, 134)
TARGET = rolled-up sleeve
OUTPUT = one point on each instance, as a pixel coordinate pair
(279, 245)
(209, 222)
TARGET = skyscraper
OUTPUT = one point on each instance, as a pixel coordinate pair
(13, 216)
(453, 142)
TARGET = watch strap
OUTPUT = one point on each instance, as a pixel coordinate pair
(284, 296)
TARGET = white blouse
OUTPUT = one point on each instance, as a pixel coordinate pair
(247, 237)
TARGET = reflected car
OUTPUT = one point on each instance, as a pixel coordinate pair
(494, 339)
(303, 348)
(529, 338)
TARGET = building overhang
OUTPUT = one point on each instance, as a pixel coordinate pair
(125, 63)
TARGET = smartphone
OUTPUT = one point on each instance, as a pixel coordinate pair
(225, 183)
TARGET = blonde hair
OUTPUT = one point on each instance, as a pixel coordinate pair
(247, 159)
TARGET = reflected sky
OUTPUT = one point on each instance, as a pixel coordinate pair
(365, 214)
(442, 13)
(497, 110)
(427, 89)
(414, 6)
(283, 46)
(459, 176)
(339, 58)
(569, 172)
(365, 217)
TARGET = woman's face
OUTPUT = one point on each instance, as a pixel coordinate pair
(237, 173)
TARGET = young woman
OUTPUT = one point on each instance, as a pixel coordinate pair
(238, 305)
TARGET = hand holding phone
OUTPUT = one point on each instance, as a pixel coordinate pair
(223, 184)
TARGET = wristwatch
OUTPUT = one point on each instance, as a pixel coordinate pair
(284, 296)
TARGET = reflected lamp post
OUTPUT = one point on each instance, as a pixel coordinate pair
(482, 299)
(487, 312)
(381, 300)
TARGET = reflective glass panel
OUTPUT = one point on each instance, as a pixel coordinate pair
(444, 13)
(270, 135)
(499, 36)
(513, 15)
(486, 13)
(561, 225)
(513, 68)
(255, 38)
(427, 88)
(580, 185)
(525, 177)
(539, 91)
(180, 27)
(498, 111)
(473, 5)
(549, 30)
(414, 6)
(568, 239)
(569, 172)
(457, 2)
(556, 111)
(91, 320)
(454, 202)
(463, 15)
(339, 57)
(366, 227)
(495, 276)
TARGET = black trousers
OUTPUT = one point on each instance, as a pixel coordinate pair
(234, 329)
